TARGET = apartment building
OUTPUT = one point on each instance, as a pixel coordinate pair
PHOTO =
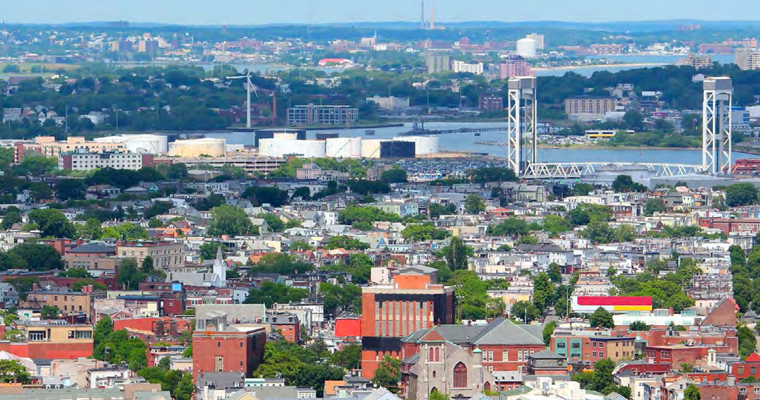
(589, 107)
(166, 256)
(747, 59)
(76, 305)
(49, 147)
(465, 67)
(86, 161)
(322, 115)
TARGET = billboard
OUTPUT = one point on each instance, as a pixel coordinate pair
(589, 304)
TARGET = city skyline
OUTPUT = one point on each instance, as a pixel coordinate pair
(194, 12)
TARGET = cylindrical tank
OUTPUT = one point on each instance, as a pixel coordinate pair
(270, 133)
(371, 147)
(343, 147)
(526, 48)
(397, 149)
(424, 145)
(286, 135)
(197, 147)
(280, 148)
(141, 144)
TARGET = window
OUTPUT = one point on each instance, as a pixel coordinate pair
(490, 355)
(218, 344)
(504, 355)
(460, 376)
(219, 363)
(561, 345)
(431, 354)
(437, 354)
(753, 371)
(519, 355)
(740, 370)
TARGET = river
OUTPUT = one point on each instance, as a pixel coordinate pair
(466, 142)
(630, 62)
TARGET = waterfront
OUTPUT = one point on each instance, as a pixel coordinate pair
(625, 63)
(465, 142)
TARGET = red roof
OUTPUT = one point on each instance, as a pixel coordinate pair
(754, 357)
(333, 60)
(614, 300)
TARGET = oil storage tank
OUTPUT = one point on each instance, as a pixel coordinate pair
(397, 149)
(343, 147)
(424, 145)
(270, 134)
(140, 144)
(371, 147)
(279, 148)
(197, 147)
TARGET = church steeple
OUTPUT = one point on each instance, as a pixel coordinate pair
(220, 267)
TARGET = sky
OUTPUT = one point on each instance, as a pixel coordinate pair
(259, 12)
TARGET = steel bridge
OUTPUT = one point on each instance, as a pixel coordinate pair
(522, 136)
(581, 169)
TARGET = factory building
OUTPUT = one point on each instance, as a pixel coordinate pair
(322, 115)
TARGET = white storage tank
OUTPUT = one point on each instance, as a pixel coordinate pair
(285, 135)
(279, 148)
(141, 144)
(197, 147)
(343, 147)
(526, 48)
(424, 145)
(371, 147)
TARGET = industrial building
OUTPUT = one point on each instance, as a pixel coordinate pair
(270, 134)
(91, 161)
(198, 147)
(526, 48)
(322, 115)
(141, 144)
(390, 102)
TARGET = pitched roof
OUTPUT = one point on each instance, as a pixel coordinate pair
(547, 354)
(503, 332)
(754, 357)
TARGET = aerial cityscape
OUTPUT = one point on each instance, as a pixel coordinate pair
(350, 200)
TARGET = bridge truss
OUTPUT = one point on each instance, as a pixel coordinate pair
(522, 137)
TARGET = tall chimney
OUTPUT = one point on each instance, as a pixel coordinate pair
(422, 15)
(432, 23)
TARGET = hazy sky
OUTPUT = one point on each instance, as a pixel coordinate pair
(254, 12)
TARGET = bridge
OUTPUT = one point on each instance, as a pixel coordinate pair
(581, 169)
(522, 136)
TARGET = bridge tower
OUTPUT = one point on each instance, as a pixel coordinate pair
(522, 137)
(716, 125)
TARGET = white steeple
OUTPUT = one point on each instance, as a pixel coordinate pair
(220, 267)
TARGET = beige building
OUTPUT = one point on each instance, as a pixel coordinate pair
(49, 147)
(589, 107)
(70, 303)
(747, 59)
(165, 255)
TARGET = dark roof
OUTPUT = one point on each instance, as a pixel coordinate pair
(547, 354)
(503, 331)
(94, 248)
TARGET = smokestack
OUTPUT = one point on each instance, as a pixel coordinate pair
(422, 15)
(432, 24)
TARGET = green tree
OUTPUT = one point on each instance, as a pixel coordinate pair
(549, 331)
(653, 206)
(524, 311)
(624, 183)
(209, 250)
(70, 189)
(456, 254)
(388, 374)
(584, 213)
(11, 217)
(349, 357)
(639, 326)
(50, 312)
(435, 210)
(130, 275)
(691, 393)
(601, 318)
(582, 189)
(269, 293)
(12, 371)
(421, 232)
(474, 204)
(747, 341)
(229, 220)
(394, 175)
(554, 225)
(90, 230)
(52, 223)
(741, 194)
(299, 245)
(37, 257)
(75, 273)
(345, 242)
(271, 195)
(555, 273)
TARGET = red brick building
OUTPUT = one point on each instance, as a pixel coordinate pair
(746, 225)
(348, 327)
(287, 324)
(505, 345)
(217, 348)
(391, 312)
